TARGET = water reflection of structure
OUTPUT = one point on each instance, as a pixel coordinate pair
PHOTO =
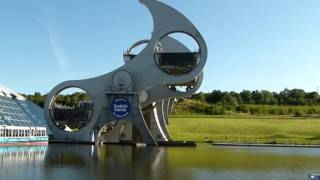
(133, 163)
(82, 162)
(21, 156)
(101, 162)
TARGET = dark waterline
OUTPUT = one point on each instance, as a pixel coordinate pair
(80, 162)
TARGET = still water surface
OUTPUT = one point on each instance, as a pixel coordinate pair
(79, 162)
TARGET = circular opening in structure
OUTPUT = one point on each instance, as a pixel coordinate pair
(134, 50)
(71, 109)
(177, 53)
(139, 46)
(185, 87)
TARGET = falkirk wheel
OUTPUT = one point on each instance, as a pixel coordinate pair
(132, 103)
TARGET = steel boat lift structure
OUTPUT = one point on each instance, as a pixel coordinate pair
(139, 95)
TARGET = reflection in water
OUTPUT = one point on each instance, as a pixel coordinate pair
(106, 162)
(132, 163)
(77, 162)
(246, 163)
(21, 156)
(23, 162)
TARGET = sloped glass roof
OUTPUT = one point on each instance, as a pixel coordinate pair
(19, 112)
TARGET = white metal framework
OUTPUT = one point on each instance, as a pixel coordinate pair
(21, 121)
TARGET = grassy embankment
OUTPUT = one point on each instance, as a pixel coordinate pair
(248, 127)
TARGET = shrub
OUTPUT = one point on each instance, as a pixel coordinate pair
(298, 113)
(282, 111)
(209, 110)
(312, 111)
(220, 112)
(273, 111)
(291, 111)
(243, 109)
(256, 110)
(228, 108)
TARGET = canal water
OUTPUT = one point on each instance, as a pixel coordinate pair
(85, 162)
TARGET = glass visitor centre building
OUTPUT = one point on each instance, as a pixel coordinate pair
(21, 121)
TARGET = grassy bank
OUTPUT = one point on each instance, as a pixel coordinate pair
(246, 129)
(194, 107)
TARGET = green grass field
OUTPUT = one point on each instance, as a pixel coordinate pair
(246, 129)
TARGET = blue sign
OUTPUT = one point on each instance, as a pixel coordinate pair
(120, 108)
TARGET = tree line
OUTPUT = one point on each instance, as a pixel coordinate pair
(287, 97)
(293, 97)
(67, 100)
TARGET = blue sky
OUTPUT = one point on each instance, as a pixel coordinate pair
(253, 44)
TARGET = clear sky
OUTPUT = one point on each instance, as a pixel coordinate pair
(253, 44)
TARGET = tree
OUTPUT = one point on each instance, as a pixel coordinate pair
(37, 98)
(257, 97)
(230, 100)
(312, 98)
(284, 98)
(215, 97)
(268, 98)
(237, 97)
(296, 97)
(246, 97)
(199, 96)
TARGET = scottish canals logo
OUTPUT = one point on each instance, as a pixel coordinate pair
(120, 108)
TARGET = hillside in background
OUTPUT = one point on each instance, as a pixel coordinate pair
(196, 107)
(294, 97)
(295, 102)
